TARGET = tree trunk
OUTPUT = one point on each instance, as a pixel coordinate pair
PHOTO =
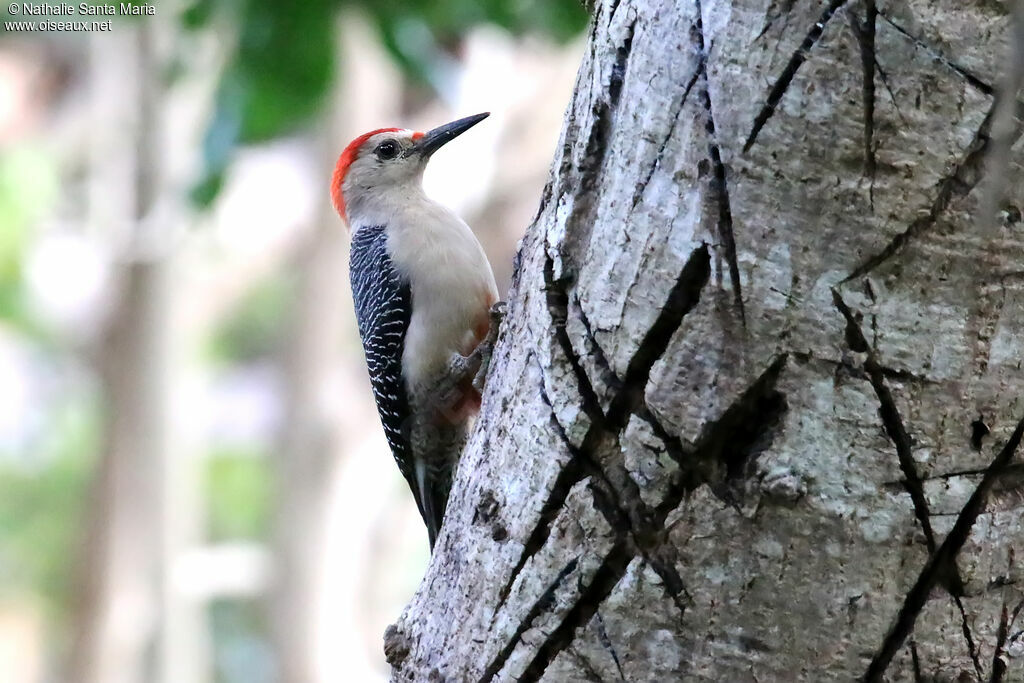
(752, 415)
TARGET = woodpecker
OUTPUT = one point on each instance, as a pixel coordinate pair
(423, 292)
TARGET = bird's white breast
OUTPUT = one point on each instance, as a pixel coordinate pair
(451, 280)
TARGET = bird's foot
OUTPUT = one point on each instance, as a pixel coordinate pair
(449, 390)
(485, 349)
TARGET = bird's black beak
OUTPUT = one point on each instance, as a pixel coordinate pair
(436, 138)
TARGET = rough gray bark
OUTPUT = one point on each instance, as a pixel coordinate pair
(754, 412)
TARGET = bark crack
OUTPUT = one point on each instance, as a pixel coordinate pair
(775, 10)
(895, 374)
(600, 131)
(884, 76)
(570, 474)
(632, 517)
(1014, 472)
(721, 453)
(542, 604)
(585, 666)
(609, 376)
(638, 192)
(912, 481)
(729, 441)
(958, 183)
(600, 587)
(998, 663)
(937, 54)
(682, 298)
(916, 663)
(965, 628)
(639, 529)
(606, 643)
(557, 300)
(891, 419)
(785, 79)
(725, 445)
(591, 165)
(942, 562)
(999, 669)
(720, 186)
(865, 34)
(746, 428)
(664, 567)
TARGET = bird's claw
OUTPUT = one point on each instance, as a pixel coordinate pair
(486, 347)
(448, 388)
(497, 316)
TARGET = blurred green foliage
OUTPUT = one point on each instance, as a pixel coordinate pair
(41, 509)
(281, 63)
(238, 491)
(28, 191)
(254, 330)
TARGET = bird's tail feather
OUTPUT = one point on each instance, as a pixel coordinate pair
(434, 503)
(436, 458)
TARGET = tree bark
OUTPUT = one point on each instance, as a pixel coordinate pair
(754, 409)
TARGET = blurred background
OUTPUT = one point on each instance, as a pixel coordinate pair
(194, 486)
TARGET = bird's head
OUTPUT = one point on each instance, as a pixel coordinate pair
(378, 166)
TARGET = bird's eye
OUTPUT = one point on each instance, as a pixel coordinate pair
(387, 150)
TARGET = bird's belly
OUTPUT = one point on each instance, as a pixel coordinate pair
(443, 324)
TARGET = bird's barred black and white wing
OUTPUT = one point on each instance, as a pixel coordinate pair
(383, 303)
